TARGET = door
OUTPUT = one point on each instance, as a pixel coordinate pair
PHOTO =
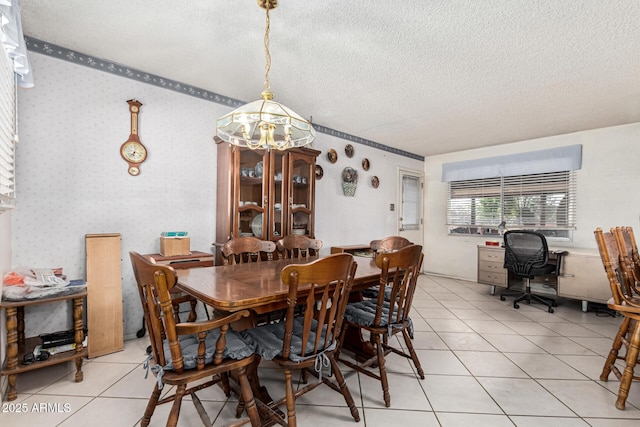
(410, 209)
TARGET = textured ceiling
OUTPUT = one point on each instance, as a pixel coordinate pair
(426, 76)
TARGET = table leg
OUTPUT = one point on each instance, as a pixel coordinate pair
(78, 326)
(12, 350)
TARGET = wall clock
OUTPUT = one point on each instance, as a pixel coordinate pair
(132, 151)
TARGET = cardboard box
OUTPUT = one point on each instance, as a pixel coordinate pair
(172, 246)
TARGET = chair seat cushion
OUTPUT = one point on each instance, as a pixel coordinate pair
(364, 312)
(372, 292)
(268, 339)
(237, 348)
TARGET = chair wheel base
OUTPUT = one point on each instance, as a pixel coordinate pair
(516, 306)
(502, 298)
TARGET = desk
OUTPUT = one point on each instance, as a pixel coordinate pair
(582, 276)
(17, 345)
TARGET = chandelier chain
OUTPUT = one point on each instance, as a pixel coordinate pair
(267, 66)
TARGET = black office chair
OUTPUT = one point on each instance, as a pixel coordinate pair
(526, 255)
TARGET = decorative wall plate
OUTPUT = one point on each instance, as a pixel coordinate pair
(319, 172)
(332, 156)
(365, 164)
(348, 150)
(375, 182)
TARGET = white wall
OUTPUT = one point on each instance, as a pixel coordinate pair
(72, 181)
(607, 189)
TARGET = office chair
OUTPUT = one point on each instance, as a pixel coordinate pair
(526, 255)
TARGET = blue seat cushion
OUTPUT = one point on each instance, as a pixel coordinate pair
(237, 348)
(364, 312)
(268, 339)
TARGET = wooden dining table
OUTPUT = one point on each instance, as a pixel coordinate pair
(255, 286)
(258, 287)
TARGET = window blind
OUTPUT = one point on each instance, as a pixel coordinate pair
(7, 133)
(545, 201)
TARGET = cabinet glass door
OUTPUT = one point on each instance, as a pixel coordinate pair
(253, 169)
(301, 176)
(279, 194)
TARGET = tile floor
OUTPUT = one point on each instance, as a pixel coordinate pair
(486, 364)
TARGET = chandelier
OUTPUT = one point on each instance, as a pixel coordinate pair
(265, 124)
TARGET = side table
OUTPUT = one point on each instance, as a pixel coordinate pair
(18, 346)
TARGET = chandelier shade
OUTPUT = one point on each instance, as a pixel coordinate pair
(265, 124)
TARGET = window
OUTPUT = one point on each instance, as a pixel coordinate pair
(411, 209)
(543, 201)
(7, 133)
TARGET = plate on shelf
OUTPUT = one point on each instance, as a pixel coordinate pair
(256, 225)
(298, 231)
(246, 234)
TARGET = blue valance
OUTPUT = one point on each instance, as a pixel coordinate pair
(542, 161)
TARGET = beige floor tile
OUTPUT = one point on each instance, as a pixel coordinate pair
(448, 419)
(544, 366)
(588, 399)
(375, 417)
(41, 410)
(450, 393)
(489, 364)
(108, 412)
(441, 362)
(98, 377)
(466, 341)
(519, 396)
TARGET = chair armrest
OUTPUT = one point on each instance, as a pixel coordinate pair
(559, 254)
(187, 328)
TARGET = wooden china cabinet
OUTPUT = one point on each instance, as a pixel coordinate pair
(266, 194)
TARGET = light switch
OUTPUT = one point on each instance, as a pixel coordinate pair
(392, 207)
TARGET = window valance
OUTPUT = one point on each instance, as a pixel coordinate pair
(542, 161)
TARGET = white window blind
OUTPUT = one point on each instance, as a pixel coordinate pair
(7, 132)
(544, 201)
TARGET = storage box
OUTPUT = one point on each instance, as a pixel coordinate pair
(171, 246)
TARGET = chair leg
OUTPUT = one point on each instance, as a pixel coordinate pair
(615, 348)
(412, 352)
(383, 371)
(175, 408)
(151, 406)
(290, 398)
(345, 390)
(247, 398)
(226, 387)
(632, 360)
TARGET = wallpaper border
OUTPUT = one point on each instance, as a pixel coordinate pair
(65, 54)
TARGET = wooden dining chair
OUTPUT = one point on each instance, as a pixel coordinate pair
(247, 249)
(625, 302)
(388, 244)
(629, 255)
(300, 247)
(186, 353)
(309, 342)
(383, 317)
